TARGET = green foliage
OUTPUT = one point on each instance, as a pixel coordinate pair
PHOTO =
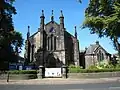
(23, 72)
(76, 70)
(93, 67)
(11, 41)
(102, 17)
(101, 67)
(73, 66)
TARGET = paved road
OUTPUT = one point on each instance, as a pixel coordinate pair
(90, 86)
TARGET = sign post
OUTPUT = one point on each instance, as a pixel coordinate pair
(40, 72)
(64, 71)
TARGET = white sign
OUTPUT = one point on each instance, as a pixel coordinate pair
(53, 72)
(20, 67)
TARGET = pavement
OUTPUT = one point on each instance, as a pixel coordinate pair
(59, 81)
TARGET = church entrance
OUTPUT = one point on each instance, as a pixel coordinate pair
(51, 69)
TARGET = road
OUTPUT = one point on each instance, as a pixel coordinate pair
(90, 86)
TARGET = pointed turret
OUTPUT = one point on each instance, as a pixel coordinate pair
(75, 32)
(42, 21)
(52, 17)
(61, 20)
(28, 46)
(28, 33)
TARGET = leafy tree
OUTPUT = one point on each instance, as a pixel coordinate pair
(102, 17)
(80, 1)
(11, 41)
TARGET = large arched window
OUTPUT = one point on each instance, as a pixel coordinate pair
(52, 42)
(100, 56)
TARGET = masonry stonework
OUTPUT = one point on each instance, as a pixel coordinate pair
(53, 46)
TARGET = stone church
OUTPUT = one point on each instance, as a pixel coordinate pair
(94, 54)
(53, 46)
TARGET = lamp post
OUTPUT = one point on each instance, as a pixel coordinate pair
(8, 72)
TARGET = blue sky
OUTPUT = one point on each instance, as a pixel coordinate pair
(29, 11)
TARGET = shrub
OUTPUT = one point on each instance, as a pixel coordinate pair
(101, 67)
(92, 67)
(117, 66)
(23, 72)
(73, 70)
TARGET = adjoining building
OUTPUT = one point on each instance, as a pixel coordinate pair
(53, 46)
(95, 53)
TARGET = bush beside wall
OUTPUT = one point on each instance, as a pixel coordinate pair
(19, 75)
(78, 70)
(23, 71)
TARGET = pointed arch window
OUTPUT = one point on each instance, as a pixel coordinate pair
(54, 43)
(51, 42)
(48, 43)
(100, 56)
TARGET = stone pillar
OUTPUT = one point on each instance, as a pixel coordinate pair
(64, 71)
(40, 73)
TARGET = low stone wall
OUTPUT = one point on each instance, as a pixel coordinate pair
(69, 75)
(94, 75)
(18, 76)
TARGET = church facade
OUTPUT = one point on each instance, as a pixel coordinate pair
(52, 45)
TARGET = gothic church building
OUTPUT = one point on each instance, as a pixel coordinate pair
(52, 45)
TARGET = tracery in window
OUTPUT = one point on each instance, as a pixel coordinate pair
(52, 42)
(100, 56)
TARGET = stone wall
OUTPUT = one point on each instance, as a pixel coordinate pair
(94, 75)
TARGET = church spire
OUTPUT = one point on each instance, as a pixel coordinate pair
(61, 20)
(75, 32)
(42, 20)
(28, 33)
(52, 17)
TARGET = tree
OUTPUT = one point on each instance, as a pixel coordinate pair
(11, 41)
(102, 17)
(80, 1)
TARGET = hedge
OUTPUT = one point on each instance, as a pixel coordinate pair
(23, 72)
(76, 70)
(71, 70)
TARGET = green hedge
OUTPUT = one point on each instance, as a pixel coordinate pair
(76, 70)
(23, 71)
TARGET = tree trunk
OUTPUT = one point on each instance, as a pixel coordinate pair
(117, 45)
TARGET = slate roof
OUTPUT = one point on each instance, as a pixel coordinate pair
(93, 47)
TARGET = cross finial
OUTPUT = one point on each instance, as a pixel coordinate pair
(75, 28)
(28, 33)
(52, 12)
(28, 28)
(75, 32)
(42, 12)
(61, 13)
(52, 17)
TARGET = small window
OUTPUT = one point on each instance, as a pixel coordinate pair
(51, 42)
(100, 56)
(54, 43)
(48, 43)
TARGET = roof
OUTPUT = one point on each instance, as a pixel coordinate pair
(93, 47)
(51, 22)
(66, 32)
